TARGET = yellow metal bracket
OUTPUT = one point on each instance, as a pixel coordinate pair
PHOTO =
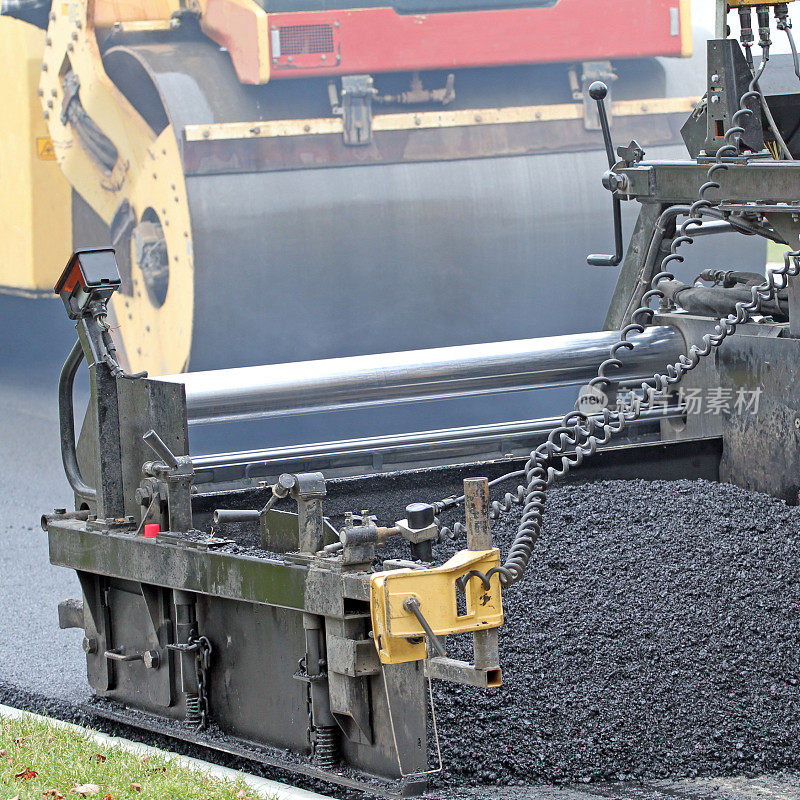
(397, 630)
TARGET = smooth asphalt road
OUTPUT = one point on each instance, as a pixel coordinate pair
(34, 654)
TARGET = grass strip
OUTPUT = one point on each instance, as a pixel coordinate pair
(42, 761)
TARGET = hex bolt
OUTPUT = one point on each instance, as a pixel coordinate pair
(615, 182)
(89, 645)
(152, 659)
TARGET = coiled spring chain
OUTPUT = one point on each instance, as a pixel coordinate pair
(496, 509)
(197, 708)
(584, 434)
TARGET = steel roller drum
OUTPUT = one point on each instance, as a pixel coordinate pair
(309, 263)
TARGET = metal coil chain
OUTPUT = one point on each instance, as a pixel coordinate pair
(197, 708)
(585, 433)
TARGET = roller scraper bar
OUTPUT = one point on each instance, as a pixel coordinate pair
(360, 381)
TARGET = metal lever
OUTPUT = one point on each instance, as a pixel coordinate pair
(598, 91)
(412, 604)
(119, 654)
(223, 516)
(281, 489)
(157, 445)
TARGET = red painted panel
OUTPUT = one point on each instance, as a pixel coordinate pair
(376, 40)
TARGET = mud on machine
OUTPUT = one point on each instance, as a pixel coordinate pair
(249, 602)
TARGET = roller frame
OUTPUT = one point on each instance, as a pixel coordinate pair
(147, 174)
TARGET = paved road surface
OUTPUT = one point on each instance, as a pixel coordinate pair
(34, 653)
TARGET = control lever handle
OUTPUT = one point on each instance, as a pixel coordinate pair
(119, 654)
(159, 447)
(281, 489)
(223, 516)
(598, 92)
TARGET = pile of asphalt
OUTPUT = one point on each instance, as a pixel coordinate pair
(654, 635)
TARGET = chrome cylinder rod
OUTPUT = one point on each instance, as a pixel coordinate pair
(360, 381)
(399, 451)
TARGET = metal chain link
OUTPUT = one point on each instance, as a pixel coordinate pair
(203, 656)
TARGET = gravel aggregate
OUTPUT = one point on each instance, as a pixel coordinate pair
(654, 635)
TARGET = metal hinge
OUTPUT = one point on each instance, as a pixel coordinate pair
(355, 108)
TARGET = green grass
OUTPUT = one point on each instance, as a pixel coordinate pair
(39, 760)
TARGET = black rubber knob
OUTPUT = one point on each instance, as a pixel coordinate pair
(598, 90)
(419, 515)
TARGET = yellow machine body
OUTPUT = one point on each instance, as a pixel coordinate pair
(147, 175)
(42, 160)
(35, 208)
(399, 637)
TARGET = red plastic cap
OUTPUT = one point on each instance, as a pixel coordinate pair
(151, 530)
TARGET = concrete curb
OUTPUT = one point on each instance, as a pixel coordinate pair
(264, 787)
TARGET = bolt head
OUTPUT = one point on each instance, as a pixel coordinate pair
(614, 182)
(89, 645)
(152, 659)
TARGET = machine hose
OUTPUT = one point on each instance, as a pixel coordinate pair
(66, 419)
(91, 137)
(664, 221)
(717, 301)
(585, 433)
